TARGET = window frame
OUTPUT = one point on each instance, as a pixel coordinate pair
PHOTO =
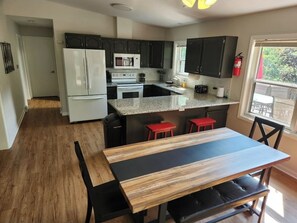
(177, 44)
(250, 79)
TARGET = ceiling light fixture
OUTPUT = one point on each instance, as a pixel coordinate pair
(202, 4)
(121, 7)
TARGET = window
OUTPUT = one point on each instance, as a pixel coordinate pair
(273, 81)
(180, 57)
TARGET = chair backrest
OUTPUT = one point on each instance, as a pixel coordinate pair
(276, 129)
(83, 167)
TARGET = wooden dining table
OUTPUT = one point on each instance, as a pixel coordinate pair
(155, 172)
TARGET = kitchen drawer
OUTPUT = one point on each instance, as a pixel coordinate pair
(83, 108)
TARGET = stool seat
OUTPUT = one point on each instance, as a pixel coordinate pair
(163, 127)
(202, 122)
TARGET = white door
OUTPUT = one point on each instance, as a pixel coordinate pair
(75, 72)
(41, 65)
(96, 71)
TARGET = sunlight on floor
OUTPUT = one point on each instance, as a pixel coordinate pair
(275, 201)
(269, 219)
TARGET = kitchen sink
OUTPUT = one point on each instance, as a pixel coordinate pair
(178, 89)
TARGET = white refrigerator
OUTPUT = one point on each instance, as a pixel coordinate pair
(85, 83)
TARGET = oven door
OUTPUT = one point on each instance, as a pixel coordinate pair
(130, 91)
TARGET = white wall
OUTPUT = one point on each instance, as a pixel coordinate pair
(11, 93)
(70, 19)
(36, 31)
(65, 19)
(273, 22)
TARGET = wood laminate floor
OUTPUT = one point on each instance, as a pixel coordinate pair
(40, 179)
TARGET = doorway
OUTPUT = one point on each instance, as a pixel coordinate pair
(41, 65)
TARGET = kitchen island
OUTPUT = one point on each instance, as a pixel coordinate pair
(136, 113)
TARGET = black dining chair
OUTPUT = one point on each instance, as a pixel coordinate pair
(271, 136)
(275, 129)
(105, 199)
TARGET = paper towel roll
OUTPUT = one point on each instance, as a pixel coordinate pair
(220, 92)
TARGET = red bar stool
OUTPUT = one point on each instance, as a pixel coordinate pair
(202, 122)
(157, 128)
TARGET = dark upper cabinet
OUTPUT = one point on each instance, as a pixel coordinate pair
(133, 46)
(211, 56)
(193, 55)
(107, 45)
(93, 42)
(144, 53)
(161, 54)
(120, 45)
(82, 41)
(74, 40)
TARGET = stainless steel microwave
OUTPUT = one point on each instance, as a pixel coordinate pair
(126, 61)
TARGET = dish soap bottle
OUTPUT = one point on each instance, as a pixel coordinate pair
(184, 84)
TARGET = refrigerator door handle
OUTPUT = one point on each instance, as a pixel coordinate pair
(86, 75)
(88, 98)
(87, 72)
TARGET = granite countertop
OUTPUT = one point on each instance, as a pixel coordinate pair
(188, 100)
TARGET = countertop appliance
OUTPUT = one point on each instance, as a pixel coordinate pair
(201, 89)
(127, 85)
(86, 84)
(220, 92)
(142, 77)
(126, 61)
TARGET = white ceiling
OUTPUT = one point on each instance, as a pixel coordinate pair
(172, 13)
(165, 13)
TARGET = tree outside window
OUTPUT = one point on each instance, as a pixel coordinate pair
(275, 86)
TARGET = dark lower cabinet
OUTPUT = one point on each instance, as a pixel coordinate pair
(111, 92)
(219, 113)
(155, 91)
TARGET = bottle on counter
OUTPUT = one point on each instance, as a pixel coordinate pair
(184, 84)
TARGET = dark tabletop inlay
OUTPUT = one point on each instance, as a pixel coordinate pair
(161, 161)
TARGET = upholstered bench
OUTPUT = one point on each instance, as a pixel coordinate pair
(211, 201)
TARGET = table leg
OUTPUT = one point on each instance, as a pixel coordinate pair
(162, 213)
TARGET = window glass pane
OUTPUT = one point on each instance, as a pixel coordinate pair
(181, 57)
(278, 64)
(182, 67)
(276, 102)
(183, 53)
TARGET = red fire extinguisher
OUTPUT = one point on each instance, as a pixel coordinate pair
(237, 64)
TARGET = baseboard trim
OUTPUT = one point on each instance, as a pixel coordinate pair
(287, 171)
(19, 122)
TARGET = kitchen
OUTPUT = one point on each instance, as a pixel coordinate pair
(245, 26)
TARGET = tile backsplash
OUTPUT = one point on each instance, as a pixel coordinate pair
(211, 82)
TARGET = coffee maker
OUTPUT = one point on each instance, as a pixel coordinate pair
(142, 77)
